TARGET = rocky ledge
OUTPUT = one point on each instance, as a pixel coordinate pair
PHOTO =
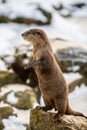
(40, 120)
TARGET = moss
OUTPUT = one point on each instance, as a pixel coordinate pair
(8, 78)
(25, 99)
(6, 111)
(40, 120)
(4, 19)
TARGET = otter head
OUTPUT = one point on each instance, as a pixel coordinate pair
(35, 36)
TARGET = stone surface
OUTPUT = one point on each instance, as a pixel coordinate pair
(25, 98)
(5, 112)
(8, 78)
(1, 124)
(77, 82)
(40, 120)
(29, 20)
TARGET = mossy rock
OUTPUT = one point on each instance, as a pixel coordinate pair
(65, 13)
(64, 65)
(25, 98)
(8, 78)
(69, 57)
(5, 112)
(28, 20)
(58, 6)
(1, 124)
(27, 127)
(40, 120)
(77, 82)
(79, 4)
(4, 19)
(83, 70)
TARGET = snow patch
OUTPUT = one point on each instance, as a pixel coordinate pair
(74, 68)
(12, 98)
(13, 87)
(70, 77)
(12, 123)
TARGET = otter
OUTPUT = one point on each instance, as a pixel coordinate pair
(52, 83)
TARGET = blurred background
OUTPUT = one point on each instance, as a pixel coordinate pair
(65, 23)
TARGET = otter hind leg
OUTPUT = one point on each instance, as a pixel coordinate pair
(60, 105)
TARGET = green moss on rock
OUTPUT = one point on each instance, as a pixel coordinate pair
(5, 112)
(26, 99)
(40, 120)
(8, 78)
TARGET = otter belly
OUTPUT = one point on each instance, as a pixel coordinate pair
(52, 89)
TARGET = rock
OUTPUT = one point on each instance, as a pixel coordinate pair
(64, 65)
(29, 20)
(72, 53)
(83, 69)
(3, 1)
(1, 124)
(65, 13)
(77, 82)
(58, 7)
(8, 78)
(27, 127)
(40, 120)
(47, 14)
(26, 99)
(6, 111)
(21, 99)
(79, 4)
(72, 56)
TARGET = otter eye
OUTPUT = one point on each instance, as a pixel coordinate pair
(38, 33)
(28, 32)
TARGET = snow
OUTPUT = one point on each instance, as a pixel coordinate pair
(70, 77)
(23, 116)
(60, 27)
(13, 87)
(74, 68)
(3, 67)
(13, 124)
(78, 99)
(12, 98)
(5, 40)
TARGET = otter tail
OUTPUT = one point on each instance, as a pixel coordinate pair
(69, 111)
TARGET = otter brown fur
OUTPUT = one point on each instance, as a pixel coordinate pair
(52, 83)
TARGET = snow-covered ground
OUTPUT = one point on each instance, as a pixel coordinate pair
(73, 29)
(13, 122)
